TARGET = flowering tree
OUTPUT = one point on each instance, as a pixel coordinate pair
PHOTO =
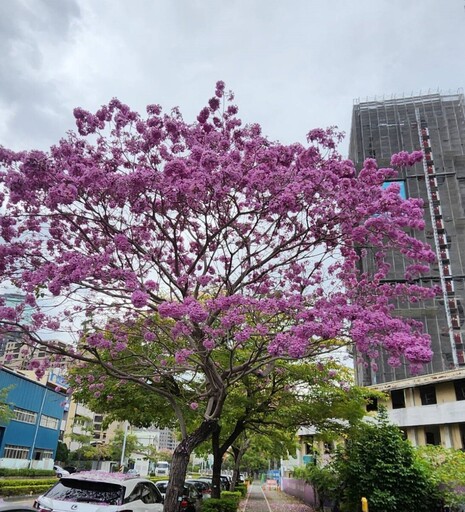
(273, 402)
(204, 236)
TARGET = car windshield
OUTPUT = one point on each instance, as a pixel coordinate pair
(162, 486)
(199, 484)
(68, 489)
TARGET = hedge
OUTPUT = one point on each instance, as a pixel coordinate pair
(23, 490)
(219, 505)
(231, 495)
(24, 482)
(5, 472)
(242, 488)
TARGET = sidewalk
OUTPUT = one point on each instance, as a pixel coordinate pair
(261, 499)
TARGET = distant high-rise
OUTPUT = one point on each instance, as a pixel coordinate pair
(434, 123)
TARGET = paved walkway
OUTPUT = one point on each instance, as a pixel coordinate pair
(261, 499)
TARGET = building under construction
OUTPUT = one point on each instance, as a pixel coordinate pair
(434, 123)
(429, 407)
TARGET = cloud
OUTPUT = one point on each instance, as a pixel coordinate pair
(293, 65)
(29, 96)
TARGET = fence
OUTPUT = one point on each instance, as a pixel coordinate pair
(300, 489)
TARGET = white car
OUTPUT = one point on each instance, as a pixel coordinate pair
(59, 471)
(96, 491)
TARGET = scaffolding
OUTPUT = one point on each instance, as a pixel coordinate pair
(384, 126)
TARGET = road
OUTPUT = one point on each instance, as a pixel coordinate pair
(24, 501)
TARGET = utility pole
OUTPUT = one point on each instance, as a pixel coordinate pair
(124, 446)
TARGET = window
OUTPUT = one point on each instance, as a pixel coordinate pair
(40, 454)
(428, 395)
(398, 399)
(432, 435)
(329, 447)
(86, 491)
(150, 494)
(460, 389)
(372, 404)
(49, 422)
(15, 452)
(24, 415)
(135, 495)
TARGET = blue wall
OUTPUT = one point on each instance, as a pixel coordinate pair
(32, 396)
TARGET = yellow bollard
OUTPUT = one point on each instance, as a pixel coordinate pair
(364, 505)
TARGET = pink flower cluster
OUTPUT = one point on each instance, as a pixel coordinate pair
(403, 158)
(227, 239)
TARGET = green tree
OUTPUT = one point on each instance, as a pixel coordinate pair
(6, 411)
(324, 479)
(82, 430)
(62, 452)
(377, 463)
(130, 446)
(274, 403)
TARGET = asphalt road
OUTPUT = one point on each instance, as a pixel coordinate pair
(22, 501)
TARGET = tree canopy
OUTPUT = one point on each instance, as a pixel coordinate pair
(204, 236)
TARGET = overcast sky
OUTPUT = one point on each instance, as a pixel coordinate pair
(293, 64)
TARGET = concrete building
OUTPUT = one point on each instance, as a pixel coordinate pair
(430, 407)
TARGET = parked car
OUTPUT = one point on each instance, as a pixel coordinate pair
(94, 490)
(225, 482)
(202, 487)
(190, 496)
(209, 481)
(133, 472)
(70, 469)
(59, 471)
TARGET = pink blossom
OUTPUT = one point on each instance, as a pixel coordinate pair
(151, 285)
(149, 336)
(139, 298)
(209, 344)
(182, 355)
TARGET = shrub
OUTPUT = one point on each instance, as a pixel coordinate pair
(325, 481)
(447, 468)
(379, 464)
(27, 482)
(23, 490)
(219, 505)
(242, 488)
(6, 472)
(231, 495)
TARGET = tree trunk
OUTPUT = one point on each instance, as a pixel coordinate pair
(180, 462)
(219, 451)
(235, 474)
(238, 454)
(217, 463)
